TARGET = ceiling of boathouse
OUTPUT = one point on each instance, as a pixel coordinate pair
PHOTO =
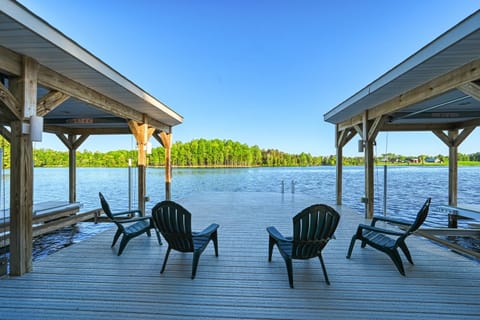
(451, 107)
(96, 98)
(438, 87)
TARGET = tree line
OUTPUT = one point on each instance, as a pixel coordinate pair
(210, 153)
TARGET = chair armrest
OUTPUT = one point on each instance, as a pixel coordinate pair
(390, 220)
(275, 234)
(133, 220)
(129, 212)
(207, 231)
(379, 230)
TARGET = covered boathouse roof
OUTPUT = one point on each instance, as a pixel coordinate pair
(101, 99)
(436, 87)
(48, 83)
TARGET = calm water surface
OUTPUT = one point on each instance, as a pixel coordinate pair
(407, 188)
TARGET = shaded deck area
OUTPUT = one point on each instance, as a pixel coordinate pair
(89, 281)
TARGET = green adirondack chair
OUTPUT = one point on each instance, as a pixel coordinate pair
(388, 241)
(174, 223)
(313, 227)
(128, 227)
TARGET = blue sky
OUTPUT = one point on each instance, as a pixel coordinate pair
(258, 72)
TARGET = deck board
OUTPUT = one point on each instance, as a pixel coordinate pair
(89, 281)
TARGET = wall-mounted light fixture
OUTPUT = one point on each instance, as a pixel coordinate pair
(361, 145)
(34, 128)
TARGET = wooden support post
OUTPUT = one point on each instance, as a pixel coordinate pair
(339, 166)
(24, 89)
(369, 179)
(142, 134)
(72, 142)
(342, 137)
(166, 139)
(370, 131)
(452, 169)
(453, 140)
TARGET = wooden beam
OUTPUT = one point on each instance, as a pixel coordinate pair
(442, 136)
(359, 130)
(451, 80)
(50, 101)
(56, 81)
(6, 133)
(10, 103)
(471, 88)
(354, 121)
(463, 135)
(421, 126)
(85, 131)
(10, 62)
(375, 128)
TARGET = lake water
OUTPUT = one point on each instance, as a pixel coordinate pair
(407, 188)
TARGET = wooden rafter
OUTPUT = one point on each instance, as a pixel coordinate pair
(345, 136)
(435, 87)
(72, 141)
(375, 128)
(50, 101)
(472, 89)
(359, 130)
(451, 80)
(10, 102)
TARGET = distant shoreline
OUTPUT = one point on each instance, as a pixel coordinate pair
(380, 164)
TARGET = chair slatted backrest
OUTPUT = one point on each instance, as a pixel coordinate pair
(174, 223)
(313, 227)
(419, 220)
(108, 211)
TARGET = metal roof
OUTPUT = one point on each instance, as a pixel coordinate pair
(455, 48)
(24, 33)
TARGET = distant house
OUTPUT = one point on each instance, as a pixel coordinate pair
(432, 160)
(413, 160)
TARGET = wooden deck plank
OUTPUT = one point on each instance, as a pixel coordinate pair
(89, 281)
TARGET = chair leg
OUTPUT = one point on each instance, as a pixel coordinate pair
(196, 257)
(158, 237)
(117, 235)
(324, 269)
(350, 248)
(215, 242)
(271, 242)
(397, 260)
(288, 262)
(165, 259)
(148, 232)
(406, 252)
(123, 244)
